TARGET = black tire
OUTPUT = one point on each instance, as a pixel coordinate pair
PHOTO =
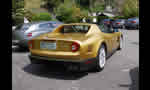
(98, 67)
(33, 61)
(125, 27)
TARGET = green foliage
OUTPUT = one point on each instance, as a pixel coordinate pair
(120, 17)
(17, 4)
(130, 8)
(84, 3)
(13, 4)
(42, 17)
(28, 14)
(99, 7)
(68, 12)
(17, 11)
(17, 20)
(17, 16)
(50, 4)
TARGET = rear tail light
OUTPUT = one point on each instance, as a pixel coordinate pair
(29, 34)
(30, 44)
(107, 22)
(75, 47)
(117, 23)
(133, 21)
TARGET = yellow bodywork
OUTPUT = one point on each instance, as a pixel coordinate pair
(90, 43)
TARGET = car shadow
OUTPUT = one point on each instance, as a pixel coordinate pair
(134, 74)
(19, 50)
(53, 72)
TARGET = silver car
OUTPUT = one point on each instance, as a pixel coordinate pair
(27, 31)
(132, 23)
(119, 23)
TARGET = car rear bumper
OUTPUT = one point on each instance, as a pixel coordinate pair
(117, 26)
(131, 25)
(81, 65)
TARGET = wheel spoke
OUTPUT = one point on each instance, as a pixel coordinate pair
(102, 58)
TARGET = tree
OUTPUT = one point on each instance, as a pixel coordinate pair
(68, 12)
(130, 8)
(51, 4)
(17, 11)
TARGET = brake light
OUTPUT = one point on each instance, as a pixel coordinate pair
(107, 22)
(75, 46)
(30, 44)
(117, 23)
(133, 21)
(29, 34)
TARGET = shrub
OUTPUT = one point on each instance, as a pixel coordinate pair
(69, 13)
(17, 20)
(41, 17)
(28, 14)
(17, 16)
(120, 17)
(17, 11)
(50, 4)
(98, 7)
(130, 8)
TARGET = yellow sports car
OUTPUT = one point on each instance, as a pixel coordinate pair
(78, 46)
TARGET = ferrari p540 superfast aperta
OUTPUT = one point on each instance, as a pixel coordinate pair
(78, 46)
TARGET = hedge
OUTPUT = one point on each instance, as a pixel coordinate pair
(42, 17)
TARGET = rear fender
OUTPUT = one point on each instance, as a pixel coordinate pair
(94, 45)
(97, 46)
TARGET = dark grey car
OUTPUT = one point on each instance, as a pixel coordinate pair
(119, 23)
(24, 32)
(132, 23)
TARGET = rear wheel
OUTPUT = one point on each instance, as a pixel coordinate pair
(101, 58)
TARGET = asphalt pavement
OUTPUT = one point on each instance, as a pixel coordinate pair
(120, 72)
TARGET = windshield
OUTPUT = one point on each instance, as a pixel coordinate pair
(23, 27)
(75, 29)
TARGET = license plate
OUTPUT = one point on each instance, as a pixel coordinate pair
(48, 45)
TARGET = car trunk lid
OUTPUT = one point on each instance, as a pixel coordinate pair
(59, 42)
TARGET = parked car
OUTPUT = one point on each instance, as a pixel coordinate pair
(132, 23)
(27, 31)
(107, 21)
(119, 23)
(78, 46)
